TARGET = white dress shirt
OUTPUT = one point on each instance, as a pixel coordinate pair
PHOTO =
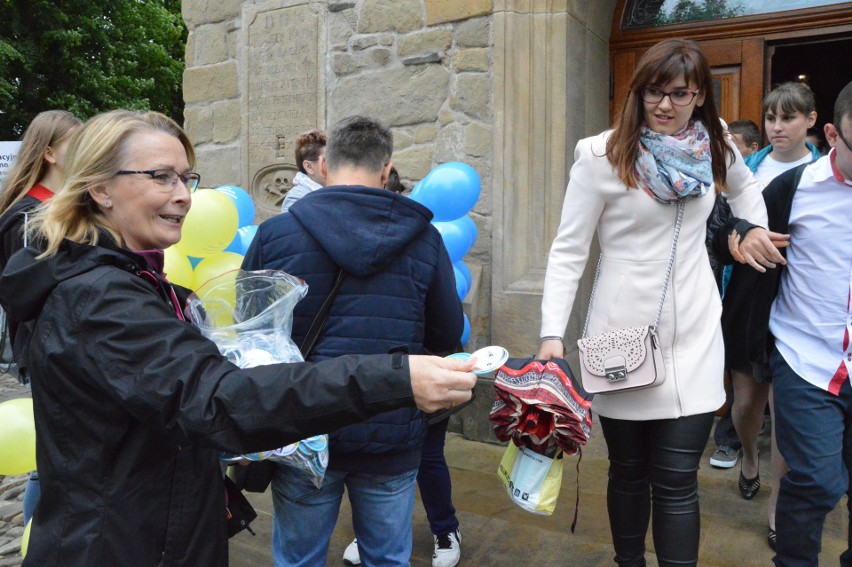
(811, 318)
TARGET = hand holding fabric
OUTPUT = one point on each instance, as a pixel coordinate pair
(551, 348)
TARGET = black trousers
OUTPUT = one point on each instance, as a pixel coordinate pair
(654, 464)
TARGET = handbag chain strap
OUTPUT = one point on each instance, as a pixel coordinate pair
(678, 223)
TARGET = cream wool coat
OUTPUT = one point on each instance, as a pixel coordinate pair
(635, 234)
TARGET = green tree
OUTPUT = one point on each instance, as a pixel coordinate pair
(88, 56)
(690, 11)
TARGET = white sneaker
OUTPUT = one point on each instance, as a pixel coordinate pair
(724, 457)
(351, 555)
(447, 550)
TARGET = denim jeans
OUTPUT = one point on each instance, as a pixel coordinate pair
(433, 479)
(655, 462)
(32, 494)
(814, 433)
(382, 508)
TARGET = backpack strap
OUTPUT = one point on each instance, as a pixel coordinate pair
(319, 321)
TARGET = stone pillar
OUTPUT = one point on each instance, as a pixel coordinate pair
(551, 89)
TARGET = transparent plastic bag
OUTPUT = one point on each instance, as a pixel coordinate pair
(249, 315)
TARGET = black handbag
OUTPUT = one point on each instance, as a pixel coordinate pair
(256, 476)
(238, 511)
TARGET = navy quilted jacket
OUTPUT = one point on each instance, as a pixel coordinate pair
(399, 291)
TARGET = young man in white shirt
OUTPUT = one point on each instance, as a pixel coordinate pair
(811, 322)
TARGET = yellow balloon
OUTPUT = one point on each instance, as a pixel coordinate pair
(17, 437)
(177, 267)
(214, 282)
(25, 539)
(210, 224)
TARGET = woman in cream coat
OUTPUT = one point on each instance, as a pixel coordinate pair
(669, 130)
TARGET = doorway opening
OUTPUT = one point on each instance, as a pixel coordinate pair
(821, 62)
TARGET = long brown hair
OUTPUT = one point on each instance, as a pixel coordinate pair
(665, 62)
(49, 128)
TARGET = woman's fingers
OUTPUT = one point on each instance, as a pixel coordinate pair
(760, 250)
(551, 348)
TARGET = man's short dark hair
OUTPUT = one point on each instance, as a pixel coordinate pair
(747, 129)
(843, 105)
(359, 141)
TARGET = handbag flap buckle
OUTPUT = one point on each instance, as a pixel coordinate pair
(616, 369)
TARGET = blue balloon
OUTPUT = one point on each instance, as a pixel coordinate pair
(462, 286)
(449, 191)
(242, 240)
(456, 236)
(242, 201)
(465, 338)
(470, 226)
(465, 272)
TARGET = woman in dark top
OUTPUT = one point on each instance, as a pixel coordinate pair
(37, 174)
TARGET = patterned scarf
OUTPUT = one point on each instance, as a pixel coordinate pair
(675, 167)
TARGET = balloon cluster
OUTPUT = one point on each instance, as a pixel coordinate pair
(216, 234)
(450, 191)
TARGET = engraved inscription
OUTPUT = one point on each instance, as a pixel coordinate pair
(283, 89)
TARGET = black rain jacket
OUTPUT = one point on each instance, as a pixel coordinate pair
(133, 405)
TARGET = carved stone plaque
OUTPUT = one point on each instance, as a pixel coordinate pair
(284, 92)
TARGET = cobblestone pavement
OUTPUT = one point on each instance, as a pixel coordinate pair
(11, 487)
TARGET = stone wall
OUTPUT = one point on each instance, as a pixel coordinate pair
(423, 66)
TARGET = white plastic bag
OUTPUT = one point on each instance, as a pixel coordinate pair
(249, 315)
(532, 480)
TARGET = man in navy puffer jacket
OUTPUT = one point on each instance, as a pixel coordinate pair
(399, 291)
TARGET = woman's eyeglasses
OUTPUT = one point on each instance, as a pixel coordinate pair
(679, 97)
(165, 180)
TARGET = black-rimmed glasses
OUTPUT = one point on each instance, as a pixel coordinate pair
(679, 97)
(166, 178)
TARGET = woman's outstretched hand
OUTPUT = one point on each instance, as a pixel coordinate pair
(551, 348)
(759, 248)
(440, 383)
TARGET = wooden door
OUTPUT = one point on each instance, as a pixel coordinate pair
(738, 71)
(737, 48)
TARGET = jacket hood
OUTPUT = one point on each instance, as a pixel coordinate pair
(361, 228)
(26, 282)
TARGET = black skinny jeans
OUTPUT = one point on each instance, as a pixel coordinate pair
(655, 462)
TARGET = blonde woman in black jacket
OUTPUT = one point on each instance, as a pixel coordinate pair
(132, 404)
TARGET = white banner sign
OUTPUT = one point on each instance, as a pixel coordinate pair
(8, 153)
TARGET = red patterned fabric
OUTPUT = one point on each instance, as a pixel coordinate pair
(541, 405)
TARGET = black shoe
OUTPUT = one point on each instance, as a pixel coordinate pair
(772, 538)
(749, 486)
